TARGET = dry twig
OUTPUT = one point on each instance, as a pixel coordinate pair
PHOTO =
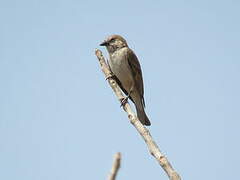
(143, 131)
(115, 166)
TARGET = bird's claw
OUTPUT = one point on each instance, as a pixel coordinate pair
(109, 76)
(124, 101)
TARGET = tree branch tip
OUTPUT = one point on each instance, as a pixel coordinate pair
(115, 166)
(118, 155)
(98, 52)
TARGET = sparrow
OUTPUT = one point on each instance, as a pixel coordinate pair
(127, 71)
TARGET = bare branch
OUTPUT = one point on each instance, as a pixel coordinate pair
(115, 166)
(143, 131)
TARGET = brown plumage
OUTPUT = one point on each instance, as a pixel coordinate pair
(126, 67)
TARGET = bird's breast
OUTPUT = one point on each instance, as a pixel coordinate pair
(119, 65)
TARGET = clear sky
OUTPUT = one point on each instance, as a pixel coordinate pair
(60, 120)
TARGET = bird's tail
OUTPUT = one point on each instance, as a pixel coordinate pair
(142, 115)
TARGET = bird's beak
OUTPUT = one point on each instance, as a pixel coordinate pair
(104, 43)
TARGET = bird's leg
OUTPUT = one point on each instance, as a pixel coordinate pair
(125, 100)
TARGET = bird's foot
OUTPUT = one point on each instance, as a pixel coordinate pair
(124, 101)
(109, 76)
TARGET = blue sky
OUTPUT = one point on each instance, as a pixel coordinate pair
(60, 120)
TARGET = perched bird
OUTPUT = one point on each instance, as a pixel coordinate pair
(125, 66)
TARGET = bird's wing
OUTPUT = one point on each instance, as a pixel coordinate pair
(136, 72)
(121, 86)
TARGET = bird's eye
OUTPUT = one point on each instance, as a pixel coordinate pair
(112, 40)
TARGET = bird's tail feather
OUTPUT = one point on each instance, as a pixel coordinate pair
(142, 115)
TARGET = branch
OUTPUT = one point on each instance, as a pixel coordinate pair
(115, 166)
(143, 131)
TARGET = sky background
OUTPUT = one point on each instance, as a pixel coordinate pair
(59, 119)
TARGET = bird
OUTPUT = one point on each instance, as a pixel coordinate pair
(127, 71)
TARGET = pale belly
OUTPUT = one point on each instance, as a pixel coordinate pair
(121, 69)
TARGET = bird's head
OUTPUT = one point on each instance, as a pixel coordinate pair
(114, 42)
